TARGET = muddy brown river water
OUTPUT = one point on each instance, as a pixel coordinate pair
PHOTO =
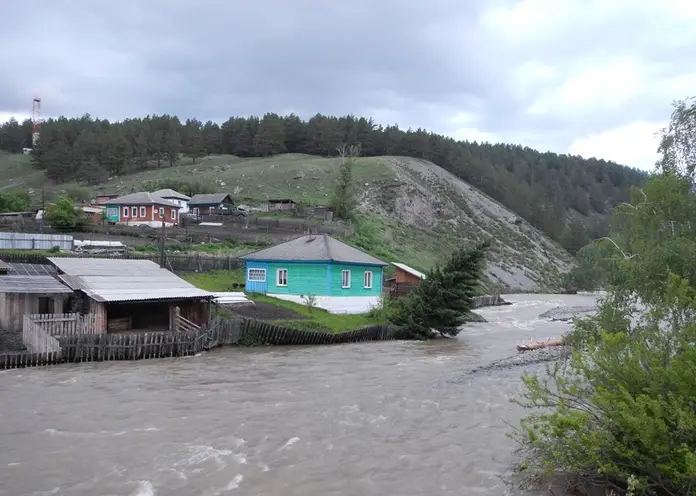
(392, 418)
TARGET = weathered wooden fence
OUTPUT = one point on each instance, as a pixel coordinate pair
(36, 339)
(225, 329)
(65, 324)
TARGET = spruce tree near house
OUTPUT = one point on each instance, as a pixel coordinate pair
(442, 301)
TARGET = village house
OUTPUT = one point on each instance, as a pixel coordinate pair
(131, 295)
(205, 204)
(142, 209)
(343, 279)
(105, 197)
(405, 280)
(29, 289)
(94, 213)
(174, 197)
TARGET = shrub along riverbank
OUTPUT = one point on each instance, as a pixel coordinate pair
(621, 412)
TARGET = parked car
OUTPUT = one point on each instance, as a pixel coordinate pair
(229, 210)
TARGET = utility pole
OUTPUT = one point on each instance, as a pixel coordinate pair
(162, 238)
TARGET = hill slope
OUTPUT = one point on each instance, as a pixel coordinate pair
(411, 210)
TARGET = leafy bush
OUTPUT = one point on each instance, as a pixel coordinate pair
(65, 216)
(14, 201)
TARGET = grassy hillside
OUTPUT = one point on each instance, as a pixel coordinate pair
(411, 210)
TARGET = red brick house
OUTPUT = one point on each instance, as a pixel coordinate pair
(142, 209)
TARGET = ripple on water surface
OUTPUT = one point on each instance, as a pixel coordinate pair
(361, 419)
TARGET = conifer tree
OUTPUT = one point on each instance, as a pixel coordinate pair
(443, 299)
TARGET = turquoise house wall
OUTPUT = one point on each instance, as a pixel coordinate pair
(357, 286)
(303, 278)
(314, 278)
(256, 286)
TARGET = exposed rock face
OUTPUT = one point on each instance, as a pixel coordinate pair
(522, 259)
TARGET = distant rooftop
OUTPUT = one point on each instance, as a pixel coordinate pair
(142, 198)
(408, 269)
(170, 193)
(32, 284)
(208, 199)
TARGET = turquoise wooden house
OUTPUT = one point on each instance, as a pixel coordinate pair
(317, 265)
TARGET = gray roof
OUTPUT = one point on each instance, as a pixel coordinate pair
(32, 284)
(113, 280)
(170, 193)
(314, 248)
(25, 269)
(209, 199)
(142, 198)
(77, 266)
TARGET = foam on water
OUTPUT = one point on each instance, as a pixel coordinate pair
(145, 488)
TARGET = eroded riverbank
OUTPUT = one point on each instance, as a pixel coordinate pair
(359, 419)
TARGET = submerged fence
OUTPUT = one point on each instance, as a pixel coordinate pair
(224, 329)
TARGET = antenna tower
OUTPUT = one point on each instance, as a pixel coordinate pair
(35, 120)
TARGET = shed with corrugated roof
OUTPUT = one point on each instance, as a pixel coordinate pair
(132, 294)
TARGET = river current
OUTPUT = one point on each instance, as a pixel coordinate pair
(387, 418)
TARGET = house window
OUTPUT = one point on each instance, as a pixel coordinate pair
(161, 212)
(282, 277)
(125, 211)
(367, 279)
(345, 279)
(256, 275)
(173, 214)
(142, 211)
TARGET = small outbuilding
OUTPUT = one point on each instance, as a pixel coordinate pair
(205, 204)
(21, 295)
(126, 295)
(405, 280)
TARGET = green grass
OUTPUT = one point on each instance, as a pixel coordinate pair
(316, 318)
(215, 281)
(227, 248)
(304, 178)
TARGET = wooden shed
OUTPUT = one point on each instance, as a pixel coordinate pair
(406, 279)
(23, 294)
(132, 295)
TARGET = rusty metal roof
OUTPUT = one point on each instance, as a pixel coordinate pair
(113, 280)
(32, 284)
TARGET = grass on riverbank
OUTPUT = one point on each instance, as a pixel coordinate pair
(311, 319)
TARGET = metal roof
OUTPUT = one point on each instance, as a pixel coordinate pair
(32, 284)
(170, 193)
(408, 269)
(209, 199)
(25, 269)
(143, 198)
(103, 266)
(314, 248)
(114, 280)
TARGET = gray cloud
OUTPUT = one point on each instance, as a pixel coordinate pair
(420, 63)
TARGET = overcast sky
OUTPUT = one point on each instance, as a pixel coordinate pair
(594, 78)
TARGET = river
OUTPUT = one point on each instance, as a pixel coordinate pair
(387, 418)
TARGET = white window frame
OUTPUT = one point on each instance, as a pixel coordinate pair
(173, 214)
(345, 282)
(161, 212)
(279, 278)
(367, 278)
(256, 270)
(142, 212)
(126, 212)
